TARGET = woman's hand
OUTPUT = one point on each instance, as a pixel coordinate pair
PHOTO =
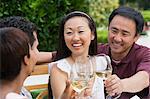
(88, 91)
(69, 93)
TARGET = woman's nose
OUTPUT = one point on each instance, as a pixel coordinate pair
(76, 36)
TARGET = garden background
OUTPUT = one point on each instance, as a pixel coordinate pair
(46, 14)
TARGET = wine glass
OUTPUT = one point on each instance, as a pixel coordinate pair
(81, 72)
(103, 66)
(104, 69)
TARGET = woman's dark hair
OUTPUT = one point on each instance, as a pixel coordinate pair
(131, 14)
(14, 45)
(20, 23)
(63, 51)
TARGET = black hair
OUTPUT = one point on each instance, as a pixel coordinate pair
(14, 46)
(131, 14)
(20, 23)
(63, 51)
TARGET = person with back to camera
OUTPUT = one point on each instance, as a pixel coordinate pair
(77, 38)
(130, 61)
(17, 61)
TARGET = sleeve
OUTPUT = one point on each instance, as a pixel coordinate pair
(64, 66)
(50, 66)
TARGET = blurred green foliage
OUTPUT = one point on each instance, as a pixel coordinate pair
(100, 10)
(46, 14)
(102, 35)
(146, 15)
(139, 4)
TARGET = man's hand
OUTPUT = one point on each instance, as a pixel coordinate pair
(113, 85)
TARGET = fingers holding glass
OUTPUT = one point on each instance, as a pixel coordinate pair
(114, 86)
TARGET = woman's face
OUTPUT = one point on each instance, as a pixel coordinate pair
(78, 35)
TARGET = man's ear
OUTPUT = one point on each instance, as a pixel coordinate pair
(136, 37)
(26, 60)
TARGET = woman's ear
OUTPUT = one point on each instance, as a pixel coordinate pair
(26, 60)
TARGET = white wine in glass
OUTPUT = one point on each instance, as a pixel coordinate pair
(79, 85)
(80, 74)
(105, 69)
(104, 74)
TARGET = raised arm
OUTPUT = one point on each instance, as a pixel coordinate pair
(44, 57)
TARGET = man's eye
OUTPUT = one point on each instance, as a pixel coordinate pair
(114, 31)
(125, 34)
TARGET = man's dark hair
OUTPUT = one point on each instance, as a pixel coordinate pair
(20, 23)
(63, 50)
(14, 46)
(131, 14)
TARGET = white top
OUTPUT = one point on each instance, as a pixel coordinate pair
(26, 93)
(98, 87)
(13, 95)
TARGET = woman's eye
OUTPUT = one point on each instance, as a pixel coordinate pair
(68, 32)
(81, 31)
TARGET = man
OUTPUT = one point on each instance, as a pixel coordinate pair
(131, 62)
(31, 30)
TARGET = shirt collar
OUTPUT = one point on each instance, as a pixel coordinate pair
(128, 57)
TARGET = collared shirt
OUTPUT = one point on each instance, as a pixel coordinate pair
(138, 59)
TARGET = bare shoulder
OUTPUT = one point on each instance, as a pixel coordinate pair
(55, 71)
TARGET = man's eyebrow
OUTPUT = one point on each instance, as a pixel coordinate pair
(125, 31)
(121, 30)
(114, 28)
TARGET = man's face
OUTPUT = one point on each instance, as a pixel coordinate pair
(34, 52)
(36, 42)
(122, 35)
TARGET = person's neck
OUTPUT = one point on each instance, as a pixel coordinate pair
(74, 57)
(117, 57)
(120, 56)
(12, 86)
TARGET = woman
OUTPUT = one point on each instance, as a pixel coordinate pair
(77, 38)
(17, 61)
